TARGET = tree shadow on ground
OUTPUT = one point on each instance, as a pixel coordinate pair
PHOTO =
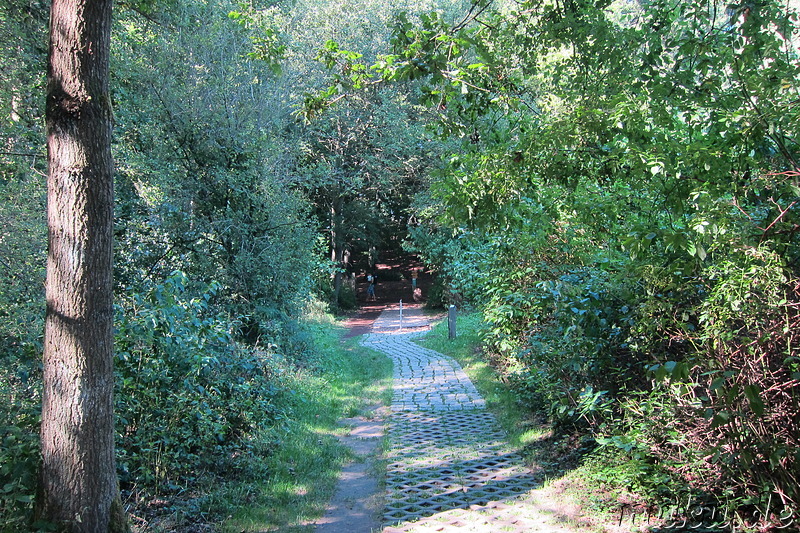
(455, 484)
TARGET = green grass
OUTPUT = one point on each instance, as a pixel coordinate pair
(518, 422)
(303, 456)
(548, 453)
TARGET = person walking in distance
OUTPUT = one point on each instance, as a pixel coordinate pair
(371, 287)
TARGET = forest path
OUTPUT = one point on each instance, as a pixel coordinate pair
(449, 466)
(394, 285)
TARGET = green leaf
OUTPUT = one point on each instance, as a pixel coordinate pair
(776, 456)
(720, 419)
(752, 392)
(717, 383)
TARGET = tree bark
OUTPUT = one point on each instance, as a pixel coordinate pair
(79, 490)
(337, 248)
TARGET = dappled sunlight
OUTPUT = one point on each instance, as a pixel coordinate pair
(300, 490)
(608, 193)
(397, 320)
(449, 463)
(323, 431)
(534, 435)
(443, 461)
(525, 513)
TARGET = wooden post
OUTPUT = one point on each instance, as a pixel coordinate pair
(451, 322)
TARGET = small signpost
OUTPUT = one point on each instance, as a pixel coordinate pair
(451, 322)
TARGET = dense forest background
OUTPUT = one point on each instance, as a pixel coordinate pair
(614, 185)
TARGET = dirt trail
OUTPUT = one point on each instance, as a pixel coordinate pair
(356, 505)
(394, 284)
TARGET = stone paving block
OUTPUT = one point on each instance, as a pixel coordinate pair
(449, 465)
(446, 451)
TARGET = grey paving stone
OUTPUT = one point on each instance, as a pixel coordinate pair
(447, 452)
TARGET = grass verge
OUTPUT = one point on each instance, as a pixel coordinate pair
(302, 457)
(558, 458)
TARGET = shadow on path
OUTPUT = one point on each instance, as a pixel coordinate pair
(356, 505)
(450, 466)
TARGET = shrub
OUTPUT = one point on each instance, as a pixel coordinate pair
(737, 399)
(565, 341)
(187, 398)
(19, 441)
(721, 421)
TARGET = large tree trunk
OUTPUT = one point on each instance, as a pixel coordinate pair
(79, 490)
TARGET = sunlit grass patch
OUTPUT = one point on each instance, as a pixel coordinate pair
(466, 349)
(532, 435)
(298, 474)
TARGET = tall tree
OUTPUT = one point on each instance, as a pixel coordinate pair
(79, 488)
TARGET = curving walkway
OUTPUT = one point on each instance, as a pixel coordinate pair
(449, 465)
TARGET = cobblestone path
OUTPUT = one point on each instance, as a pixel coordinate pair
(449, 466)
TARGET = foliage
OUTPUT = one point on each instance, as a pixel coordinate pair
(574, 354)
(624, 210)
(22, 252)
(236, 423)
(23, 52)
(187, 400)
(619, 199)
(204, 191)
(23, 55)
(212, 182)
(19, 424)
(735, 407)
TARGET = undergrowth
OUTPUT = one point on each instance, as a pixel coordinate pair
(212, 434)
(557, 455)
(284, 471)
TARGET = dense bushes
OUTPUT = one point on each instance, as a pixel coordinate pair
(574, 352)
(735, 395)
(187, 398)
(191, 402)
(22, 248)
(686, 377)
(628, 225)
(20, 388)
